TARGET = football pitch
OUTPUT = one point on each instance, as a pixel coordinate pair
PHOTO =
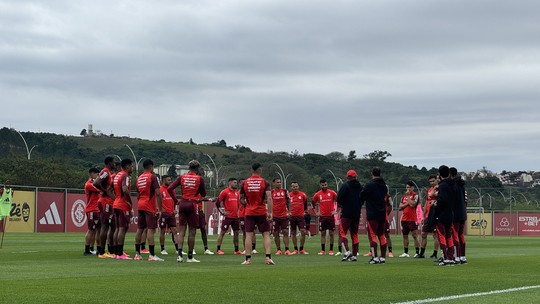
(50, 268)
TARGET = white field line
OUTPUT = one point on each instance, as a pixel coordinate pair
(469, 295)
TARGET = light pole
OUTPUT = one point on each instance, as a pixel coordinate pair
(119, 158)
(135, 159)
(490, 199)
(28, 151)
(526, 200)
(479, 195)
(282, 175)
(336, 179)
(216, 169)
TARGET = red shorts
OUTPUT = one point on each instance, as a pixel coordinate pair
(297, 221)
(280, 223)
(327, 223)
(408, 226)
(258, 221)
(106, 216)
(167, 220)
(234, 223)
(122, 218)
(147, 219)
(187, 213)
(93, 219)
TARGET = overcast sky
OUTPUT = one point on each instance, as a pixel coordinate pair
(431, 82)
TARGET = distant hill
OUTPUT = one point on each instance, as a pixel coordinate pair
(63, 161)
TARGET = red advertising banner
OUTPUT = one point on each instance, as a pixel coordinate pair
(504, 224)
(75, 215)
(529, 224)
(50, 212)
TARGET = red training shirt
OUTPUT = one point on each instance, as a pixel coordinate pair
(298, 203)
(254, 188)
(147, 183)
(92, 197)
(279, 202)
(326, 200)
(231, 201)
(409, 213)
(120, 180)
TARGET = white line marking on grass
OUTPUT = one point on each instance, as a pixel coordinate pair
(25, 252)
(469, 295)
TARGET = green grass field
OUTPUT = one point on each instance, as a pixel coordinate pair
(50, 268)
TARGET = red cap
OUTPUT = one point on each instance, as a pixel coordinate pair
(351, 173)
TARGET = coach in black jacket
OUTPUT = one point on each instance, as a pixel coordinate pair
(349, 206)
(444, 212)
(374, 195)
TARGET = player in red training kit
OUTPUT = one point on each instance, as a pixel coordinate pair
(122, 207)
(92, 212)
(104, 183)
(431, 197)
(192, 186)
(324, 202)
(408, 220)
(255, 190)
(281, 206)
(167, 220)
(149, 211)
(298, 209)
(227, 203)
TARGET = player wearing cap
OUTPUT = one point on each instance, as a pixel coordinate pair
(408, 219)
(325, 201)
(349, 206)
(253, 194)
(191, 186)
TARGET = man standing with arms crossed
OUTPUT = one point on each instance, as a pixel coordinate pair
(431, 197)
(192, 186)
(122, 206)
(281, 205)
(104, 183)
(408, 220)
(324, 202)
(149, 209)
(374, 194)
(253, 194)
(349, 206)
(227, 204)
